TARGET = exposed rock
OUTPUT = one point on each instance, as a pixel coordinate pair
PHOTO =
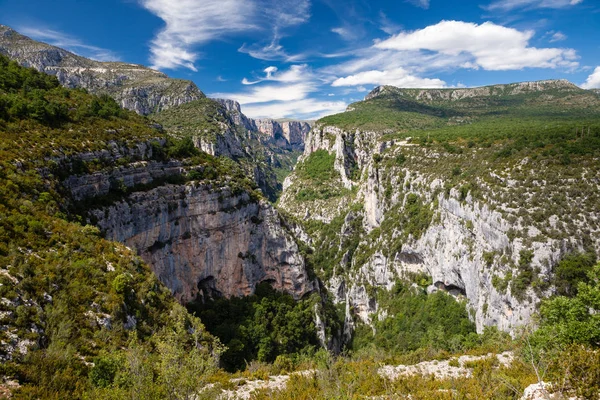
(200, 239)
(234, 109)
(430, 95)
(289, 135)
(443, 369)
(133, 86)
(453, 247)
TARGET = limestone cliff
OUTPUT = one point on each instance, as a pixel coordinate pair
(436, 95)
(198, 237)
(235, 110)
(133, 86)
(289, 135)
(485, 227)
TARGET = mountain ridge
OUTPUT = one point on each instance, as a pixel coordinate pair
(460, 93)
(134, 86)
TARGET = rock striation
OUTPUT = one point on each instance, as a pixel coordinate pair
(471, 243)
(289, 135)
(133, 86)
(199, 239)
(212, 242)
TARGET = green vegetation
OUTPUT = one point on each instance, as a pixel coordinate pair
(318, 169)
(572, 270)
(203, 118)
(417, 320)
(69, 297)
(568, 338)
(263, 326)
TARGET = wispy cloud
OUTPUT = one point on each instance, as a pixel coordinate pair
(68, 42)
(296, 73)
(556, 36)
(508, 5)
(265, 94)
(593, 81)
(386, 25)
(191, 23)
(279, 14)
(420, 3)
(305, 109)
(289, 93)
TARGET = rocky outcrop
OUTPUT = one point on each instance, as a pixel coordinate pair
(213, 242)
(474, 247)
(133, 86)
(289, 135)
(235, 110)
(513, 89)
(197, 237)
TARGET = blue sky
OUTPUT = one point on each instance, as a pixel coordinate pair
(308, 58)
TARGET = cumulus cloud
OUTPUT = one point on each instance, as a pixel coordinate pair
(489, 46)
(396, 77)
(593, 81)
(508, 5)
(68, 42)
(190, 23)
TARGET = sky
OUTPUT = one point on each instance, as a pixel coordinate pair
(304, 59)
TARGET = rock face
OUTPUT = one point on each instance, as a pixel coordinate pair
(134, 87)
(513, 89)
(234, 109)
(210, 241)
(197, 237)
(470, 244)
(289, 135)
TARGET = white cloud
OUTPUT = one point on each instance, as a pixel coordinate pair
(70, 43)
(396, 77)
(285, 93)
(296, 73)
(507, 5)
(388, 26)
(305, 109)
(593, 81)
(420, 3)
(280, 14)
(489, 46)
(190, 23)
(265, 94)
(345, 32)
(557, 37)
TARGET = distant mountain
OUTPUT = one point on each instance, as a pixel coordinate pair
(135, 87)
(512, 89)
(285, 133)
(392, 108)
(485, 190)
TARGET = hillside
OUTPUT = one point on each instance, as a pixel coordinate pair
(484, 190)
(421, 234)
(134, 87)
(81, 178)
